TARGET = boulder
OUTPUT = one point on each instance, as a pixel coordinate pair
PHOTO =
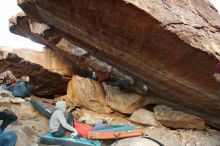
(44, 82)
(120, 101)
(145, 117)
(46, 58)
(5, 93)
(91, 117)
(135, 36)
(87, 93)
(81, 61)
(177, 119)
(137, 141)
(184, 137)
(7, 97)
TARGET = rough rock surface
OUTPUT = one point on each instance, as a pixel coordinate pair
(136, 141)
(125, 103)
(5, 93)
(135, 36)
(79, 59)
(87, 93)
(45, 82)
(93, 117)
(185, 137)
(144, 117)
(30, 124)
(101, 98)
(47, 58)
(176, 119)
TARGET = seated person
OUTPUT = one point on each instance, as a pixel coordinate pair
(22, 88)
(7, 138)
(59, 124)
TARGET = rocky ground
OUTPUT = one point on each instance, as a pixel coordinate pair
(31, 125)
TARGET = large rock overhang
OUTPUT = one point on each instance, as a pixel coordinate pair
(45, 83)
(173, 53)
(81, 61)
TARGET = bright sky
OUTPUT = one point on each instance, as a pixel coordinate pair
(9, 8)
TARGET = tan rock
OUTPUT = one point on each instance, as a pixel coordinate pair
(91, 117)
(69, 47)
(136, 141)
(177, 119)
(123, 102)
(87, 93)
(145, 117)
(47, 58)
(5, 93)
(7, 98)
(44, 82)
(150, 99)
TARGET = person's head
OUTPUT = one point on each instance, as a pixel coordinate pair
(25, 78)
(217, 72)
(61, 105)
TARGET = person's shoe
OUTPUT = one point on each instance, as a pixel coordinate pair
(27, 99)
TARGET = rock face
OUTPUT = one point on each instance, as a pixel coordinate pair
(5, 93)
(80, 60)
(184, 137)
(137, 141)
(101, 98)
(145, 117)
(45, 82)
(47, 58)
(169, 45)
(88, 94)
(125, 103)
(177, 119)
(93, 117)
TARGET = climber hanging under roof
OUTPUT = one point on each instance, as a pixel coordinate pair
(101, 76)
(124, 83)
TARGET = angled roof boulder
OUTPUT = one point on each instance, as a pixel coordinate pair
(172, 46)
